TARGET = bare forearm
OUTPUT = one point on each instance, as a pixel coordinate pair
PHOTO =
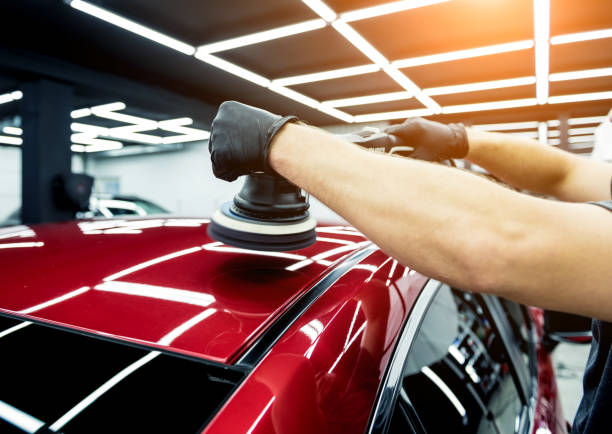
(525, 164)
(445, 223)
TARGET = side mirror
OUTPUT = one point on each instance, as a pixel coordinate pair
(565, 327)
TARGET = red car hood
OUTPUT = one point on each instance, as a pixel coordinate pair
(158, 281)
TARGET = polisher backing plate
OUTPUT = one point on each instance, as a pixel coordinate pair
(230, 228)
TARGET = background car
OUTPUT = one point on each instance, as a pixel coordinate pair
(148, 325)
(106, 206)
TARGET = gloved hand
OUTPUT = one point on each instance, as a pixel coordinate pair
(240, 139)
(432, 141)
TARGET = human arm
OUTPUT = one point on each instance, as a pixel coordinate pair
(457, 227)
(526, 164)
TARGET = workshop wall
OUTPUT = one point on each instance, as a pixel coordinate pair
(182, 181)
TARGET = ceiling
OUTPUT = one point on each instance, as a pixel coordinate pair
(52, 28)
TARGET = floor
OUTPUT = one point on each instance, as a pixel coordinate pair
(569, 361)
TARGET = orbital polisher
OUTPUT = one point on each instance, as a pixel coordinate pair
(271, 214)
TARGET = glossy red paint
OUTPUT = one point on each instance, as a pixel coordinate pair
(324, 373)
(162, 282)
(548, 416)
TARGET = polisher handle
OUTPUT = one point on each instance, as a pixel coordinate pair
(376, 140)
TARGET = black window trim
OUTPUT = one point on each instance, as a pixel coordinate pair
(392, 379)
(520, 377)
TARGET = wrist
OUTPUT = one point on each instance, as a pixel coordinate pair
(280, 147)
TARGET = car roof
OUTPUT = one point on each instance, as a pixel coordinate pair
(161, 282)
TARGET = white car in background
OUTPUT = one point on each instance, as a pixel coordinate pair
(106, 206)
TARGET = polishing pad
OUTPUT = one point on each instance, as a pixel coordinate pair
(229, 227)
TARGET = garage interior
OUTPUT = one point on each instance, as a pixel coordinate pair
(126, 91)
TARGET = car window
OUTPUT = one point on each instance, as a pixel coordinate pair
(457, 376)
(122, 211)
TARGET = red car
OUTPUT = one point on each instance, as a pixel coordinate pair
(148, 325)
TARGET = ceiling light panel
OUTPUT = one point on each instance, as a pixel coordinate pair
(321, 9)
(7, 140)
(485, 85)
(585, 73)
(10, 97)
(232, 68)
(360, 43)
(582, 36)
(541, 12)
(593, 96)
(494, 105)
(508, 126)
(386, 8)
(463, 54)
(369, 99)
(12, 131)
(266, 35)
(401, 114)
(327, 75)
(132, 26)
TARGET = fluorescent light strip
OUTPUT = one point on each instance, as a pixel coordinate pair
(96, 148)
(336, 113)
(232, 68)
(80, 113)
(266, 35)
(180, 126)
(494, 105)
(12, 130)
(582, 36)
(360, 43)
(385, 9)
(464, 54)
(409, 85)
(133, 27)
(157, 292)
(401, 114)
(18, 418)
(296, 96)
(86, 139)
(579, 131)
(541, 18)
(321, 9)
(579, 97)
(507, 126)
(17, 141)
(581, 139)
(576, 75)
(369, 99)
(327, 75)
(587, 120)
(484, 85)
(528, 134)
(10, 97)
(59, 424)
(542, 133)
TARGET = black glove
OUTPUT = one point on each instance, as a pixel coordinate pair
(240, 139)
(432, 141)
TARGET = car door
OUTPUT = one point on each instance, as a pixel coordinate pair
(464, 364)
